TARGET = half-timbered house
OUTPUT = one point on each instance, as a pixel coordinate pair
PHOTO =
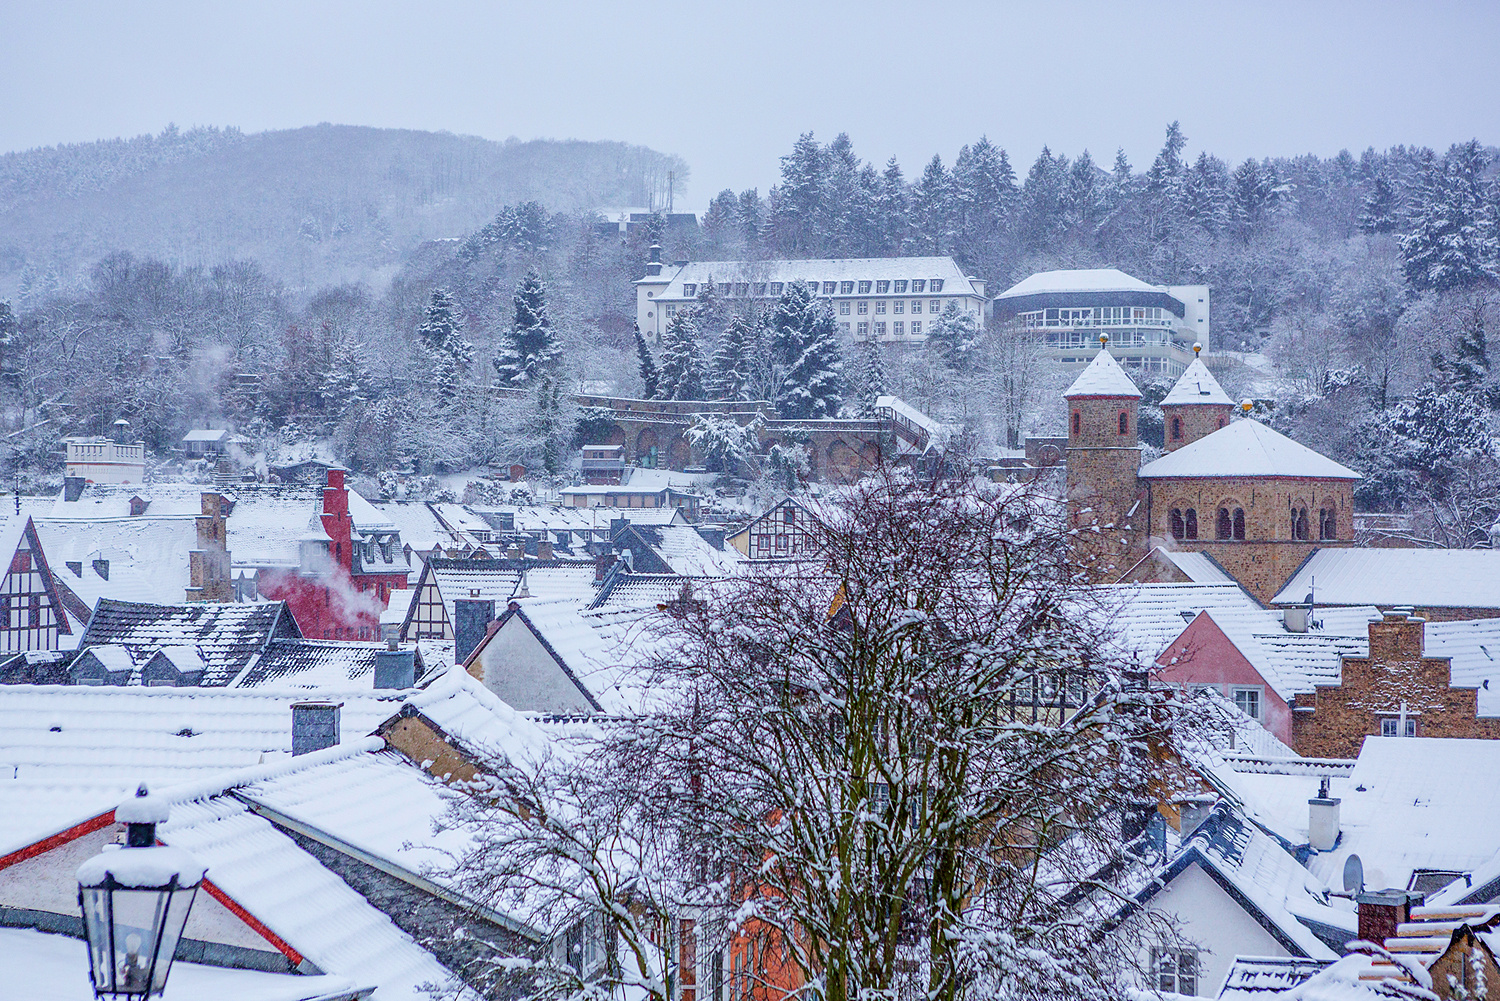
(32, 615)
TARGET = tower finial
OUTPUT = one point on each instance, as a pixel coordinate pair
(1197, 348)
(1103, 340)
(1246, 405)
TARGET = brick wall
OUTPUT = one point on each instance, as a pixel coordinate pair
(1196, 420)
(1102, 489)
(1333, 721)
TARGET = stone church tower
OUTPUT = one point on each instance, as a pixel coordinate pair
(1196, 407)
(1106, 505)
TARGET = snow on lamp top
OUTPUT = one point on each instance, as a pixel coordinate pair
(142, 808)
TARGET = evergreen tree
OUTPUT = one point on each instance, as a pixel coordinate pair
(984, 192)
(805, 349)
(1255, 192)
(1453, 242)
(441, 337)
(681, 364)
(1043, 201)
(1206, 193)
(953, 337)
(804, 179)
(932, 208)
(650, 375)
(1086, 198)
(1380, 212)
(9, 330)
(721, 223)
(731, 360)
(709, 310)
(530, 348)
(1469, 367)
(893, 210)
(550, 427)
(870, 378)
(345, 381)
(1162, 186)
(752, 220)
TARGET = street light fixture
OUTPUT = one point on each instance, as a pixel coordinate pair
(135, 902)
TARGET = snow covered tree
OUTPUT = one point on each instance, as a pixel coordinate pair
(932, 208)
(731, 364)
(804, 347)
(709, 311)
(1469, 367)
(530, 348)
(1206, 193)
(681, 363)
(1380, 213)
(441, 336)
(869, 379)
(1044, 198)
(345, 382)
(646, 365)
(1453, 243)
(725, 445)
(893, 210)
(953, 336)
(804, 178)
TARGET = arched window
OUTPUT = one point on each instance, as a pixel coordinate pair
(1239, 524)
(1221, 422)
(1300, 526)
(1224, 527)
(1176, 428)
(1124, 422)
(1190, 524)
(1077, 422)
(1179, 529)
(1328, 525)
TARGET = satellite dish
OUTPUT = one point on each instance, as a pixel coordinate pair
(1354, 874)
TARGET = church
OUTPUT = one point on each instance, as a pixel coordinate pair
(1228, 486)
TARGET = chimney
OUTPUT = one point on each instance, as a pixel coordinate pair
(1381, 911)
(602, 563)
(101, 567)
(1323, 820)
(472, 615)
(73, 488)
(315, 725)
(395, 668)
(543, 550)
(1295, 618)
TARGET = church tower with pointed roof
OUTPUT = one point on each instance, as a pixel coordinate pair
(1105, 503)
(1196, 407)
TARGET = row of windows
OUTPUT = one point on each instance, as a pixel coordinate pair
(1229, 525)
(898, 306)
(1098, 316)
(898, 328)
(1130, 337)
(1123, 423)
(890, 287)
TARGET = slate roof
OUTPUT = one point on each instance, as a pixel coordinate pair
(1257, 978)
(1197, 385)
(227, 636)
(1436, 578)
(1103, 377)
(1246, 448)
(325, 664)
(499, 580)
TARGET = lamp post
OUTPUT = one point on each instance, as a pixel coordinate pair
(135, 902)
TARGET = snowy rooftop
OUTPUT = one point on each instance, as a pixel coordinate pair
(500, 580)
(325, 664)
(687, 552)
(1197, 385)
(147, 556)
(1078, 280)
(227, 636)
(1474, 646)
(1431, 578)
(1246, 448)
(1103, 377)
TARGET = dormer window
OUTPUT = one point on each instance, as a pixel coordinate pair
(846, 288)
(882, 288)
(937, 285)
(776, 288)
(689, 289)
(899, 287)
(919, 285)
(864, 288)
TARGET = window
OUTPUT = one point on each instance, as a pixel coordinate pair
(1175, 970)
(723, 288)
(879, 328)
(35, 617)
(864, 308)
(844, 328)
(742, 288)
(1224, 527)
(846, 288)
(1175, 519)
(899, 306)
(1300, 529)
(862, 329)
(844, 308)
(689, 289)
(1077, 422)
(776, 288)
(829, 287)
(1328, 527)
(1190, 523)
(1247, 701)
(882, 288)
(899, 287)
(918, 285)
(1390, 726)
(916, 327)
(1124, 423)
(1239, 524)
(916, 305)
(759, 288)
(933, 306)
(936, 285)
(898, 328)
(1176, 428)
(880, 308)
(864, 288)
(671, 310)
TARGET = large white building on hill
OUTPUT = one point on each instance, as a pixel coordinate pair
(1151, 328)
(881, 298)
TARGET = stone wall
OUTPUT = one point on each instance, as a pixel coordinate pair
(1108, 539)
(1333, 721)
(1196, 420)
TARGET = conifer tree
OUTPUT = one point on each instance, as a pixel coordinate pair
(530, 348)
(708, 310)
(1453, 242)
(731, 361)
(650, 374)
(932, 207)
(681, 364)
(1469, 367)
(870, 380)
(441, 337)
(893, 210)
(345, 381)
(1379, 213)
(953, 336)
(805, 348)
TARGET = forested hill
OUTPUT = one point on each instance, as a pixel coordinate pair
(313, 206)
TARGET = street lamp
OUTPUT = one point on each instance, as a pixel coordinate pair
(135, 902)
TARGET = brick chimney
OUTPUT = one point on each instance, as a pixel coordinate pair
(602, 563)
(1380, 911)
(336, 520)
(315, 726)
(1397, 637)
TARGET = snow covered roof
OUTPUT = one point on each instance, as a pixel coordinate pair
(1474, 646)
(1426, 578)
(1102, 377)
(499, 580)
(944, 269)
(1078, 280)
(201, 434)
(228, 636)
(1258, 978)
(1197, 385)
(326, 664)
(147, 556)
(1199, 568)
(681, 549)
(1245, 448)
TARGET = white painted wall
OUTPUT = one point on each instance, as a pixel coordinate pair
(1195, 317)
(520, 671)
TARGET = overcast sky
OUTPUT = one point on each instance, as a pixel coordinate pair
(729, 86)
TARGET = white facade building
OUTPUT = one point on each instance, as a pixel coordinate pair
(99, 460)
(881, 298)
(1151, 328)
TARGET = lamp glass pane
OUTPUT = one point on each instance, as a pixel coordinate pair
(138, 918)
(176, 920)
